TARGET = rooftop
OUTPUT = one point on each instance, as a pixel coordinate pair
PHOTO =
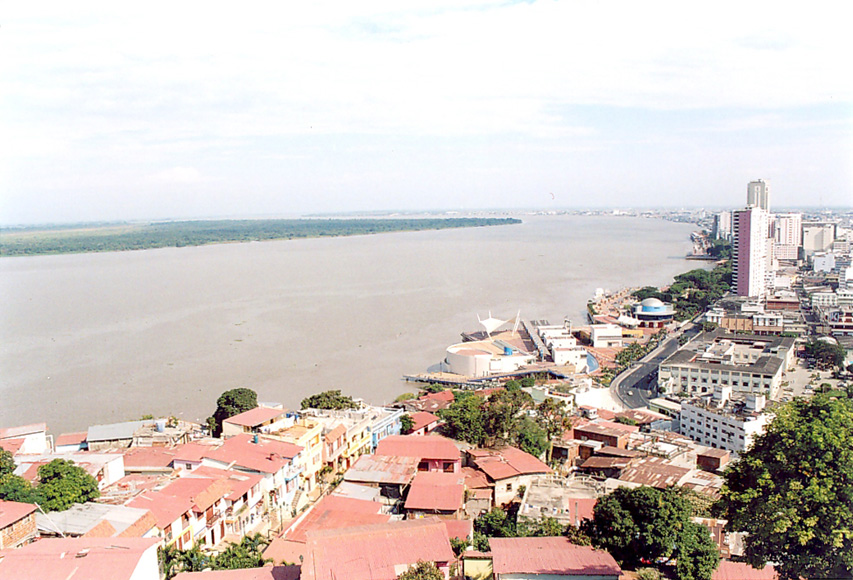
(436, 491)
(12, 511)
(266, 573)
(73, 558)
(429, 447)
(255, 417)
(376, 552)
(557, 556)
(506, 462)
(383, 469)
(265, 456)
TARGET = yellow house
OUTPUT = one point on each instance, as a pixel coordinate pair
(308, 434)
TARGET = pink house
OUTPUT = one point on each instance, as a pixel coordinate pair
(433, 452)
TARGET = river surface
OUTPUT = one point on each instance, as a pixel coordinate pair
(100, 338)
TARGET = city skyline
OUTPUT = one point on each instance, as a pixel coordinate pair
(168, 112)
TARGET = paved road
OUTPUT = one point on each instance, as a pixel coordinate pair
(636, 386)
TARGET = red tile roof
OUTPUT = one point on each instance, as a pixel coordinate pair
(238, 482)
(740, 571)
(165, 508)
(148, 457)
(255, 417)
(432, 447)
(72, 558)
(265, 456)
(436, 491)
(202, 492)
(459, 529)
(421, 419)
(265, 573)
(378, 552)
(550, 555)
(193, 452)
(335, 512)
(506, 462)
(11, 445)
(336, 433)
(103, 529)
(13, 511)
(71, 438)
(23, 430)
(617, 425)
(476, 479)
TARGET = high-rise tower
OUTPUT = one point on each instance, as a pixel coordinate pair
(758, 194)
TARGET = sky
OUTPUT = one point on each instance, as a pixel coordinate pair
(167, 110)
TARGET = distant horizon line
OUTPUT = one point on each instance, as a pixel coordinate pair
(392, 212)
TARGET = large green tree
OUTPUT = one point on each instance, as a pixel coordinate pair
(697, 554)
(464, 419)
(422, 571)
(827, 352)
(645, 523)
(62, 484)
(329, 400)
(16, 488)
(231, 403)
(7, 462)
(792, 491)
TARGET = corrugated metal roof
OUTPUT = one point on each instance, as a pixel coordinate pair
(436, 491)
(383, 469)
(431, 447)
(115, 431)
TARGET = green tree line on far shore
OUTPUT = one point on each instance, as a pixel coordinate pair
(30, 241)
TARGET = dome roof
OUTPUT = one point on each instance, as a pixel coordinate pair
(651, 303)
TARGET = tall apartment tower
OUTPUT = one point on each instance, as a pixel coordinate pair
(758, 194)
(787, 235)
(749, 251)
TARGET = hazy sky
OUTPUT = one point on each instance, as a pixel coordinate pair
(118, 110)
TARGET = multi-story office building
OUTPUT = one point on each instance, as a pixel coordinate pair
(722, 421)
(787, 235)
(758, 194)
(818, 236)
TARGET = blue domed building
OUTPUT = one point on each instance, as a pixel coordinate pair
(652, 313)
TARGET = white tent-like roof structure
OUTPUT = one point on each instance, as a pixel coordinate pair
(491, 324)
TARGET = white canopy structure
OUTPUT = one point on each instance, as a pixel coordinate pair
(491, 324)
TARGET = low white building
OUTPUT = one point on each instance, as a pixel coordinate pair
(605, 335)
(723, 422)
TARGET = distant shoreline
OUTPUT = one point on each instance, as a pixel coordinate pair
(125, 237)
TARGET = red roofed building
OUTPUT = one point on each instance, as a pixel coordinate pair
(257, 420)
(71, 442)
(149, 459)
(175, 516)
(244, 506)
(279, 463)
(431, 402)
(377, 552)
(330, 513)
(207, 497)
(423, 423)
(740, 571)
(508, 468)
(265, 573)
(83, 558)
(436, 493)
(434, 453)
(550, 557)
(17, 524)
(26, 439)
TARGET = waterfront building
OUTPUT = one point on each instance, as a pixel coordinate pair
(605, 335)
(722, 228)
(347, 434)
(758, 194)
(746, 362)
(724, 421)
(652, 313)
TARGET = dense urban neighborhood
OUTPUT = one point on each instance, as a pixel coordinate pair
(699, 431)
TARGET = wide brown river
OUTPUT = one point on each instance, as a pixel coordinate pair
(98, 338)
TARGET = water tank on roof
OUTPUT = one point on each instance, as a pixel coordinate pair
(507, 351)
(160, 425)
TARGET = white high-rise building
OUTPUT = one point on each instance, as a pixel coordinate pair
(787, 235)
(758, 194)
(749, 251)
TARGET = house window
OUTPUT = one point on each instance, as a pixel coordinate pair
(423, 466)
(509, 487)
(448, 467)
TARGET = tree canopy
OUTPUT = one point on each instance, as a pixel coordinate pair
(329, 400)
(827, 354)
(7, 462)
(248, 553)
(231, 403)
(422, 571)
(648, 524)
(62, 484)
(792, 491)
